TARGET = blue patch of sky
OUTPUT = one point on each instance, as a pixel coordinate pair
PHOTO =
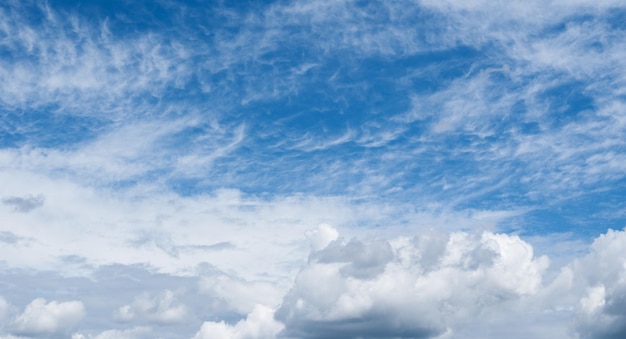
(337, 96)
(344, 91)
(585, 216)
(562, 26)
(566, 101)
(292, 166)
(46, 128)
(616, 18)
(124, 16)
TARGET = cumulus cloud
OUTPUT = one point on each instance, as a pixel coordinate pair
(601, 312)
(24, 204)
(259, 324)
(41, 317)
(410, 287)
(163, 309)
(439, 284)
(321, 236)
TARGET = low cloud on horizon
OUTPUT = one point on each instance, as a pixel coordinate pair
(431, 285)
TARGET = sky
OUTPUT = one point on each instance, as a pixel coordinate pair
(313, 169)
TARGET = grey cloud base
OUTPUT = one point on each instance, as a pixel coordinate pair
(24, 204)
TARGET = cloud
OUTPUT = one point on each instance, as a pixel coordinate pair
(145, 293)
(220, 246)
(601, 312)
(232, 293)
(259, 324)
(41, 317)
(4, 309)
(10, 238)
(163, 309)
(417, 287)
(24, 204)
(66, 56)
(307, 144)
(320, 237)
(435, 284)
(134, 333)
(505, 68)
(166, 231)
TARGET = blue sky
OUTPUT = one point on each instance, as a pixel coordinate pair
(312, 169)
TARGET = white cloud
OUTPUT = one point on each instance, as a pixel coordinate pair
(259, 324)
(134, 333)
(447, 284)
(74, 63)
(266, 234)
(41, 317)
(3, 306)
(230, 293)
(163, 308)
(416, 287)
(321, 236)
(601, 275)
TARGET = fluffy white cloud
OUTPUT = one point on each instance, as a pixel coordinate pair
(601, 312)
(321, 236)
(415, 287)
(41, 317)
(163, 308)
(259, 324)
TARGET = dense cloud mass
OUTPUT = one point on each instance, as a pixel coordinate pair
(410, 288)
(432, 285)
(601, 313)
